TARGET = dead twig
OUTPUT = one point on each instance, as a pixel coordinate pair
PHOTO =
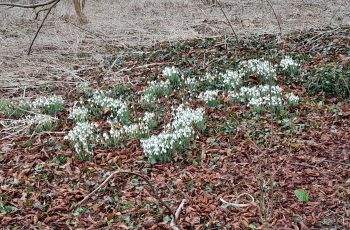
(47, 6)
(33, 6)
(228, 21)
(41, 25)
(177, 214)
(335, 162)
(236, 203)
(136, 174)
(274, 12)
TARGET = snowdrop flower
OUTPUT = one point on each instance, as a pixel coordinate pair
(191, 81)
(262, 67)
(170, 71)
(258, 95)
(157, 88)
(183, 117)
(159, 84)
(42, 119)
(50, 105)
(148, 116)
(43, 122)
(117, 107)
(209, 78)
(78, 113)
(129, 131)
(47, 101)
(164, 142)
(292, 99)
(208, 96)
(232, 79)
(287, 62)
(148, 98)
(147, 122)
(82, 136)
(161, 146)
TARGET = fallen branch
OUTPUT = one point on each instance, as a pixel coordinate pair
(236, 203)
(335, 162)
(174, 218)
(177, 214)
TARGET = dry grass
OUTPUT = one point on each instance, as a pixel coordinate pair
(139, 22)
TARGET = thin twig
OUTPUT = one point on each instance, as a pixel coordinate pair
(304, 165)
(42, 24)
(274, 12)
(134, 67)
(49, 6)
(33, 6)
(39, 11)
(132, 173)
(177, 214)
(236, 204)
(228, 21)
(335, 162)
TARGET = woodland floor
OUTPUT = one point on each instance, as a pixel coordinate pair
(42, 181)
(267, 156)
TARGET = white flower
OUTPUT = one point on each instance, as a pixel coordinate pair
(48, 101)
(288, 62)
(129, 131)
(78, 113)
(180, 128)
(258, 95)
(291, 98)
(232, 79)
(148, 98)
(157, 88)
(82, 135)
(191, 81)
(209, 78)
(262, 67)
(42, 119)
(183, 117)
(208, 96)
(117, 107)
(148, 117)
(170, 71)
(159, 84)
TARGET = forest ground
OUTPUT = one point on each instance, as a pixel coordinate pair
(126, 42)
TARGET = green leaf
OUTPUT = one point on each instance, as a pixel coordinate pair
(10, 209)
(302, 195)
(78, 211)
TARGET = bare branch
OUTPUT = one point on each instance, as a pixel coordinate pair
(274, 12)
(47, 7)
(28, 6)
(228, 21)
(42, 24)
(177, 214)
(136, 174)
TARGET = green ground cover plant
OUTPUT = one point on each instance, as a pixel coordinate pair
(211, 120)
